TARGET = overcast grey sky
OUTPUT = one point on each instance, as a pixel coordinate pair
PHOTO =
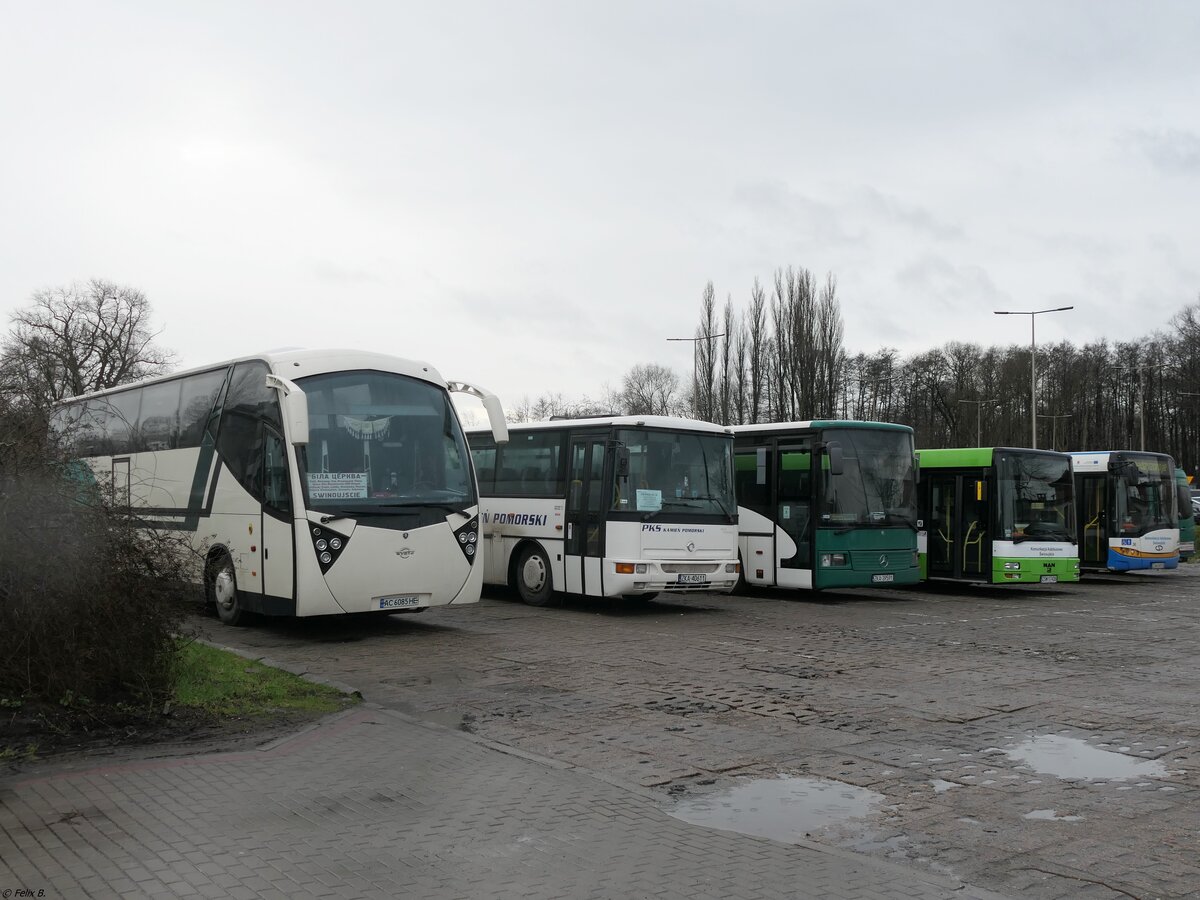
(532, 195)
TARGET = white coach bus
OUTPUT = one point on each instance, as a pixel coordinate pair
(608, 507)
(308, 482)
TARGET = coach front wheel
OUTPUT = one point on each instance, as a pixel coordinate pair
(223, 591)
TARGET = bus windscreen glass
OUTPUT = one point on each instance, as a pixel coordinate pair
(1036, 497)
(1143, 494)
(877, 485)
(380, 441)
(679, 471)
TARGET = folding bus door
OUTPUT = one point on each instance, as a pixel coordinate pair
(794, 514)
(586, 507)
(959, 543)
(1093, 522)
(941, 550)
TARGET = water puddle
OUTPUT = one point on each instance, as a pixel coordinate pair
(1049, 815)
(783, 809)
(1072, 758)
(940, 785)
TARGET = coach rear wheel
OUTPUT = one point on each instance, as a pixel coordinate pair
(533, 577)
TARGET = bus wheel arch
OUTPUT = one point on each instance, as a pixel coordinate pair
(531, 574)
(221, 590)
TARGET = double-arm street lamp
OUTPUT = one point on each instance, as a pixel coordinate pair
(696, 366)
(1033, 314)
(1141, 394)
(1054, 427)
(979, 418)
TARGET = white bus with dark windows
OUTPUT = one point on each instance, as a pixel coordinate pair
(306, 482)
(623, 506)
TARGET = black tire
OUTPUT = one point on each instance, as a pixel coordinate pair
(533, 578)
(223, 593)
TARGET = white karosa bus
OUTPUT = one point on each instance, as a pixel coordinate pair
(608, 507)
(308, 482)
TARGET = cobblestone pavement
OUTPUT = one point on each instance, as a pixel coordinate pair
(377, 805)
(926, 696)
(955, 706)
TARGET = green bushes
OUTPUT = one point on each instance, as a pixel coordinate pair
(89, 609)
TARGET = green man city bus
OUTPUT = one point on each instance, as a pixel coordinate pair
(997, 515)
(826, 504)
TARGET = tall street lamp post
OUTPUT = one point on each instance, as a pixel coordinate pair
(1033, 314)
(979, 418)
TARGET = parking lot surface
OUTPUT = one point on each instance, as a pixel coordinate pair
(1023, 741)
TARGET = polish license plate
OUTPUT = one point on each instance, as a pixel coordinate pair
(1049, 579)
(1158, 565)
(691, 579)
(880, 579)
(399, 601)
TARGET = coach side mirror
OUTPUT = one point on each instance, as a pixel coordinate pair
(294, 405)
(834, 449)
(491, 405)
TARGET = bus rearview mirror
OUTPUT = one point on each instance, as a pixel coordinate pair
(834, 449)
(294, 404)
(622, 462)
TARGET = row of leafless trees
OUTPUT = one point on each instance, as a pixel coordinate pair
(782, 359)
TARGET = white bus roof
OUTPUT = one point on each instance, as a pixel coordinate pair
(662, 422)
(1083, 460)
(293, 364)
(781, 427)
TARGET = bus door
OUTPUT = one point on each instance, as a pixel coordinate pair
(794, 505)
(120, 483)
(958, 543)
(587, 502)
(277, 551)
(1093, 521)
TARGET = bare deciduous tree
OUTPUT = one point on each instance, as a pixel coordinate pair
(76, 339)
(650, 390)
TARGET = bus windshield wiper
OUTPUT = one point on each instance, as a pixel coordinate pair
(716, 500)
(355, 513)
(428, 504)
(1056, 535)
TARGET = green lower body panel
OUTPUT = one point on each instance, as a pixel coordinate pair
(1026, 570)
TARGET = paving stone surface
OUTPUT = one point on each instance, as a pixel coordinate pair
(942, 701)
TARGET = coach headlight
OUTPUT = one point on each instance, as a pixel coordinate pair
(328, 546)
(467, 536)
(1012, 565)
